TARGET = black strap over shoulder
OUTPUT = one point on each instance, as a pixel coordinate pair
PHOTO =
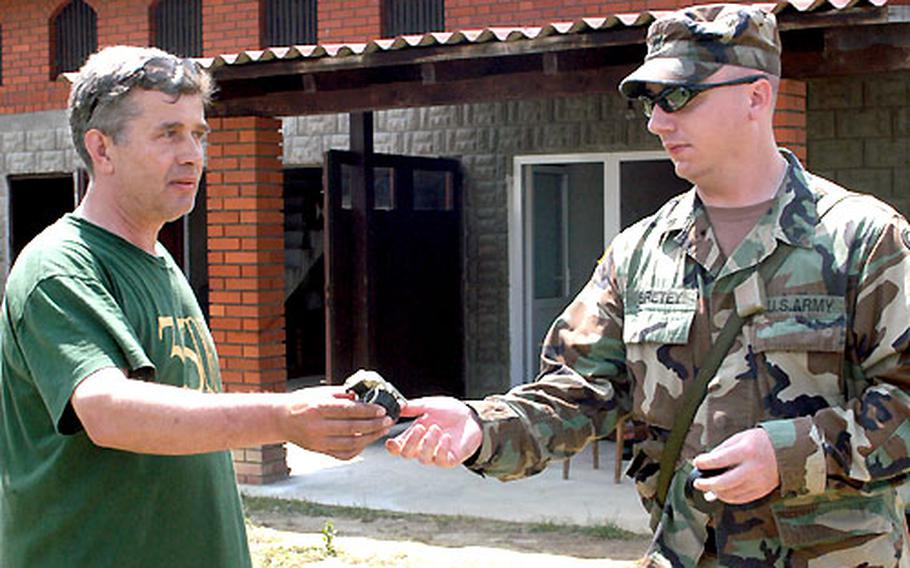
(696, 393)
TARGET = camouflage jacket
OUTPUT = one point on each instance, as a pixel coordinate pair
(823, 370)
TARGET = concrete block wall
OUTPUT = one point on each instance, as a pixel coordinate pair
(858, 131)
(485, 138)
(30, 143)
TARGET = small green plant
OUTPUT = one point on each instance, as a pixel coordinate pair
(328, 537)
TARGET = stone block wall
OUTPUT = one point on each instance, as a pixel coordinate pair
(485, 138)
(30, 143)
(858, 132)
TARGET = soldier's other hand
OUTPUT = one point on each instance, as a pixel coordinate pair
(753, 468)
(445, 432)
(328, 420)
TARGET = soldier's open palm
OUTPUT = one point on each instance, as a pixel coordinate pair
(445, 432)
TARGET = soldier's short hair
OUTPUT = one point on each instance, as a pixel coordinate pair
(99, 95)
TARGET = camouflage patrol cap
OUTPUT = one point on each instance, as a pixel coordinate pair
(688, 45)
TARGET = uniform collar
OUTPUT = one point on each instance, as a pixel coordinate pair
(791, 219)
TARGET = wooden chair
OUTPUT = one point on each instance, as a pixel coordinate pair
(621, 425)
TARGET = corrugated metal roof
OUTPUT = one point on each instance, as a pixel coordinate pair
(498, 34)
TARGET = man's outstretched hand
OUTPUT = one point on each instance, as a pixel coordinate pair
(327, 420)
(445, 432)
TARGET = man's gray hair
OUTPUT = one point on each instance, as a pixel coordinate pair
(98, 98)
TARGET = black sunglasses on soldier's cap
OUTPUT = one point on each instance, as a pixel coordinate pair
(675, 97)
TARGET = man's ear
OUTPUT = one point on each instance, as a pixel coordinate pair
(761, 98)
(98, 146)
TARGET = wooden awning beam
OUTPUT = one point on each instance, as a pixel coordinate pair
(409, 95)
(842, 42)
(431, 54)
(850, 51)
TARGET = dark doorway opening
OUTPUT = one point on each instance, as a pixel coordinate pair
(186, 239)
(34, 203)
(304, 264)
(410, 313)
(645, 185)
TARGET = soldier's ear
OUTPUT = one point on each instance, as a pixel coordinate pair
(761, 98)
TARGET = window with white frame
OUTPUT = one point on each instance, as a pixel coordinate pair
(563, 212)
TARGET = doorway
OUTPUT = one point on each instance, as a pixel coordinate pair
(564, 211)
(34, 203)
(565, 224)
(304, 266)
(410, 315)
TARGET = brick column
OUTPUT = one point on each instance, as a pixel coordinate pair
(790, 117)
(246, 270)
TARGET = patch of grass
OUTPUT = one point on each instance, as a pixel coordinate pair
(607, 531)
(288, 556)
(308, 509)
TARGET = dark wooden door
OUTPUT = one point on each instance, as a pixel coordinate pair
(408, 299)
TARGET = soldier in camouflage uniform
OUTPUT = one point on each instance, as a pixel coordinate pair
(809, 410)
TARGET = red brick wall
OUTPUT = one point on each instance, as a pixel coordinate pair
(465, 14)
(343, 21)
(122, 22)
(790, 117)
(27, 85)
(26, 61)
(234, 25)
(229, 26)
(246, 269)
(258, 466)
(246, 251)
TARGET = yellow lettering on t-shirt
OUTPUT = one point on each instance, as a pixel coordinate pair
(180, 329)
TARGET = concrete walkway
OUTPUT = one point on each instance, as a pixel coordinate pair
(377, 480)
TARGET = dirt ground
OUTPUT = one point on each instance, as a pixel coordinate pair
(284, 535)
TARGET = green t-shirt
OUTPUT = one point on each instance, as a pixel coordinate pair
(80, 299)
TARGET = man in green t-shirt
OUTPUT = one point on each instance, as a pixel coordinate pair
(114, 428)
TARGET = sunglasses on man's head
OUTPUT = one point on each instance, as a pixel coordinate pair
(675, 97)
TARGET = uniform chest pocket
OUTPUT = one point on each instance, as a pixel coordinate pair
(800, 323)
(659, 316)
